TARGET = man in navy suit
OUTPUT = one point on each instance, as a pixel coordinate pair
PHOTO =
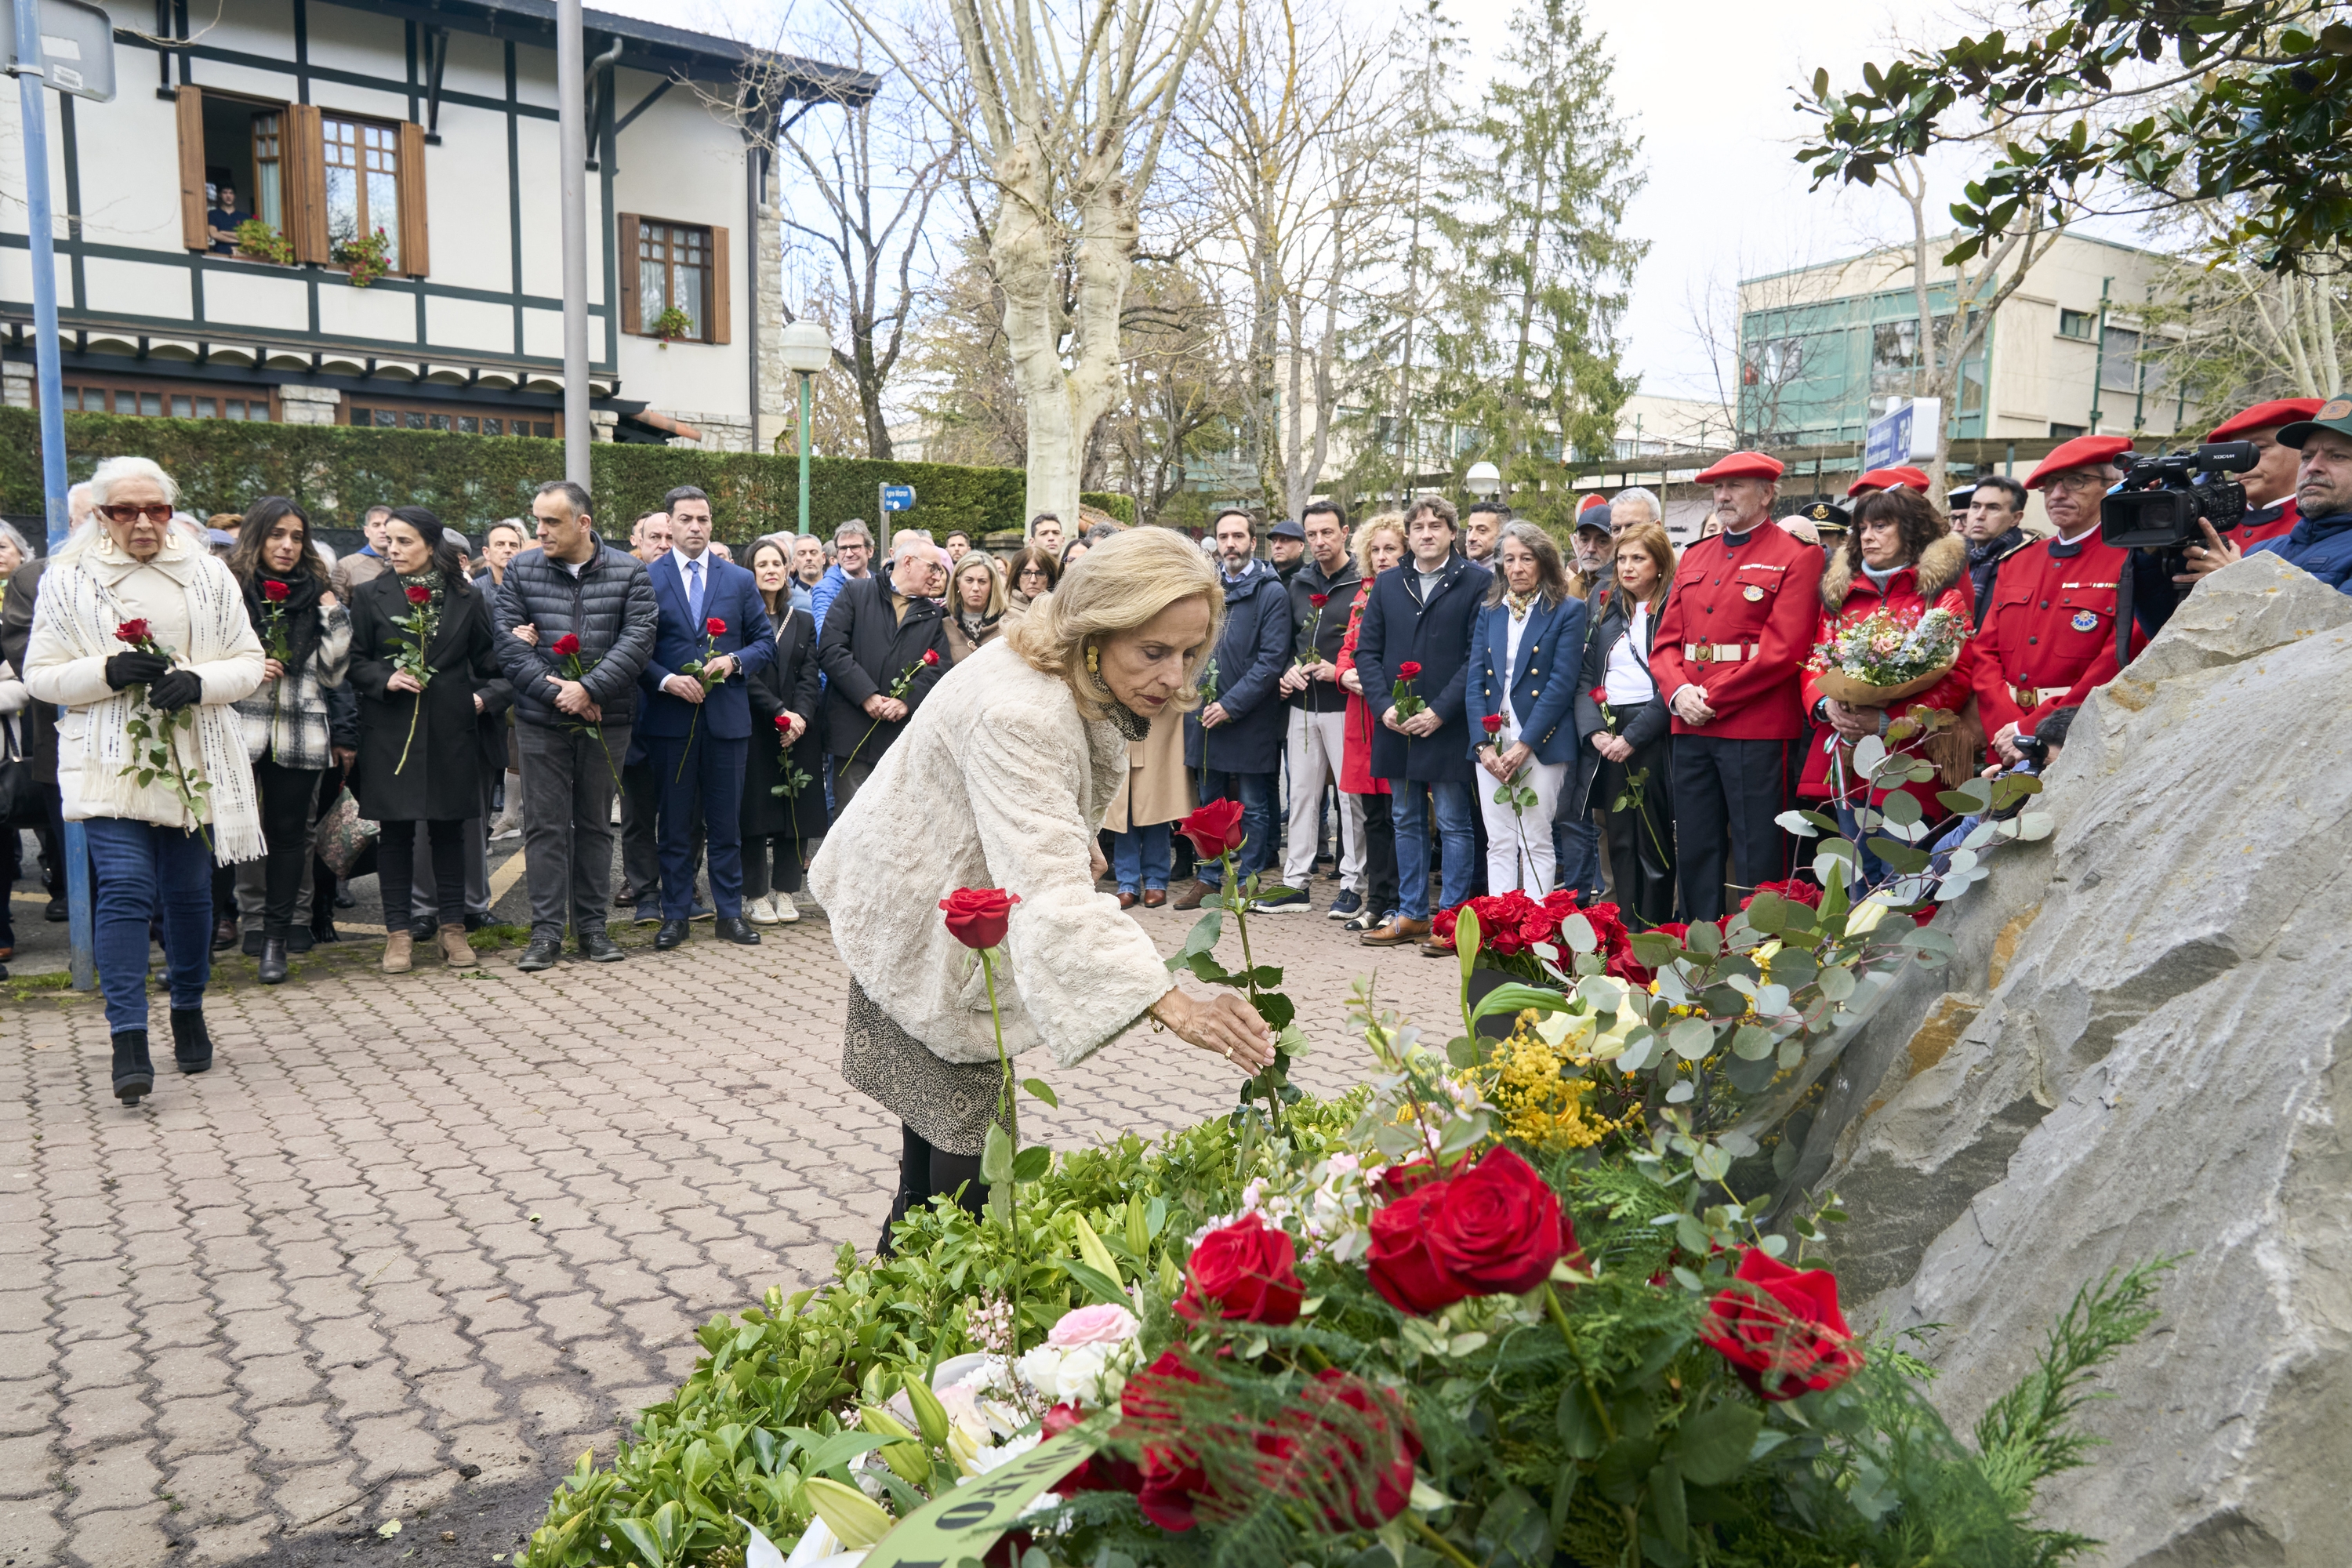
(696, 738)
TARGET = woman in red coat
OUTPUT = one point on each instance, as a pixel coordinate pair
(1379, 545)
(1901, 556)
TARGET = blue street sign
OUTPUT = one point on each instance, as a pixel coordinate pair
(1903, 434)
(898, 497)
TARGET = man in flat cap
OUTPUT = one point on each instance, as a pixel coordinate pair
(2048, 638)
(2270, 512)
(1735, 631)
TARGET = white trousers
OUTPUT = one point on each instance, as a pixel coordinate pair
(1315, 742)
(1519, 843)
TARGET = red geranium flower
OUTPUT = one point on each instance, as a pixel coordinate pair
(274, 591)
(565, 646)
(132, 632)
(977, 916)
(418, 594)
(1245, 1270)
(715, 627)
(930, 655)
(1409, 670)
(1494, 723)
(1780, 1328)
(1213, 829)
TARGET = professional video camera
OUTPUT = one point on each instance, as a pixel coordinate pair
(2160, 500)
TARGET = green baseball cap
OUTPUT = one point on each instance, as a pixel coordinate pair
(2335, 415)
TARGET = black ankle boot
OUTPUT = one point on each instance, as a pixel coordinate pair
(192, 1045)
(273, 960)
(134, 1075)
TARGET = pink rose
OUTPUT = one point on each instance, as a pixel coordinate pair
(1098, 1324)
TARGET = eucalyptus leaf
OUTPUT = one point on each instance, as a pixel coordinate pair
(1691, 1040)
(1682, 1093)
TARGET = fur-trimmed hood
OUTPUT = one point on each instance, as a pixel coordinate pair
(1941, 565)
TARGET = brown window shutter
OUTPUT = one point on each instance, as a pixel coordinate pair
(717, 319)
(415, 251)
(303, 163)
(632, 317)
(190, 107)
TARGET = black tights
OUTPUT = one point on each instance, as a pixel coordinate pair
(926, 1172)
(395, 852)
(287, 797)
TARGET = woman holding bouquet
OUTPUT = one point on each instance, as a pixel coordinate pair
(1622, 729)
(1900, 562)
(423, 667)
(143, 636)
(1001, 782)
(306, 636)
(785, 756)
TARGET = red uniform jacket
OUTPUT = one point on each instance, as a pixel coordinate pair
(1739, 622)
(2049, 639)
(1939, 581)
(2251, 532)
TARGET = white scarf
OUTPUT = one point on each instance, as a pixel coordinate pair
(83, 614)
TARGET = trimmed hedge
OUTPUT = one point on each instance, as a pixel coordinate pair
(335, 472)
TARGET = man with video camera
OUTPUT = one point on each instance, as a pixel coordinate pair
(2270, 483)
(2321, 541)
(2048, 636)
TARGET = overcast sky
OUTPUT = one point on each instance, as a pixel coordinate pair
(1710, 86)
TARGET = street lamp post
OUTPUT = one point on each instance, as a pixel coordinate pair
(1485, 480)
(807, 348)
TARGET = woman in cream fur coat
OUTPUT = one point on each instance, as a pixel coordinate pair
(1001, 779)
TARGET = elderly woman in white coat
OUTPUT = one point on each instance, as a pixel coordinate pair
(1007, 775)
(153, 835)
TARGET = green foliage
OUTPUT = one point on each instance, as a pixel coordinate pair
(335, 472)
(257, 239)
(2246, 104)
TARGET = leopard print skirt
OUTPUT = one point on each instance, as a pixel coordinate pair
(948, 1104)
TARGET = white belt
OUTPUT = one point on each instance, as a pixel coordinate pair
(1718, 652)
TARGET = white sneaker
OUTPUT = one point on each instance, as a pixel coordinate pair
(786, 911)
(760, 912)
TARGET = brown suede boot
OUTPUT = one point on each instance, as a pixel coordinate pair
(455, 951)
(398, 952)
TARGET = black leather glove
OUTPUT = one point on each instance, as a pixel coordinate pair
(175, 690)
(135, 669)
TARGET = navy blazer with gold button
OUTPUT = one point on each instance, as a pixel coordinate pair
(1542, 682)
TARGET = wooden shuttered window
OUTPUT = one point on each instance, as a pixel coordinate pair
(632, 317)
(189, 108)
(717, 319)
(414, 250)
(305, 162)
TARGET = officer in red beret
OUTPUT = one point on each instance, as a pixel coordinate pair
(2270, 487)
(1727, 656)
(2048, 637)
(1904, 478)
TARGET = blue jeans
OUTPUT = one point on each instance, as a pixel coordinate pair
(143, 869)
(1575, 846)
(1453, 810)
(1141, 857)
(1255, 792)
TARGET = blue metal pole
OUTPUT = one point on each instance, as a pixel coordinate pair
(34, 109)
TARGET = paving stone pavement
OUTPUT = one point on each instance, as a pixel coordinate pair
(450, 1219)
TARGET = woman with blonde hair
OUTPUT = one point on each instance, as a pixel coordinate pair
(1001, 782)
(975, 604)
(1378, 544)
(1622, 735)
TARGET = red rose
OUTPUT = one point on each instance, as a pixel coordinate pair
(1248, 1271)
(783, 721)
(1795, 890)
(1494, 723)
(1101, 1472)
(977, 916)
(1397, 1181)
(419, 593)
(274, 591)
(1170, 1477)
(930, 655)
(565, 646)
(1345, 1447)
(1213, 829)
(1497, 1227)
(1400, 1264)
(715, 627)
(132, 632)
(1600, 694)
(1409, 670)
(1318, 600)
(1780, 1328)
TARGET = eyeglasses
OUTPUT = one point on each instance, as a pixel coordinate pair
(124, 512)
(2079, 482)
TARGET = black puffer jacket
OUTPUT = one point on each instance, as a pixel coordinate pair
(609, 607)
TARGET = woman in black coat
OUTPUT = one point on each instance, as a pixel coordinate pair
(780, 828)
(1622, 734)
(419, 758)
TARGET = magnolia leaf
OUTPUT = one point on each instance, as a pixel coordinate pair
(855, 1520)
(1091, 1248)
(1040, 1090)
(1714, 1446)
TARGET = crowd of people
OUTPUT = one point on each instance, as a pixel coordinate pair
(239, 719)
